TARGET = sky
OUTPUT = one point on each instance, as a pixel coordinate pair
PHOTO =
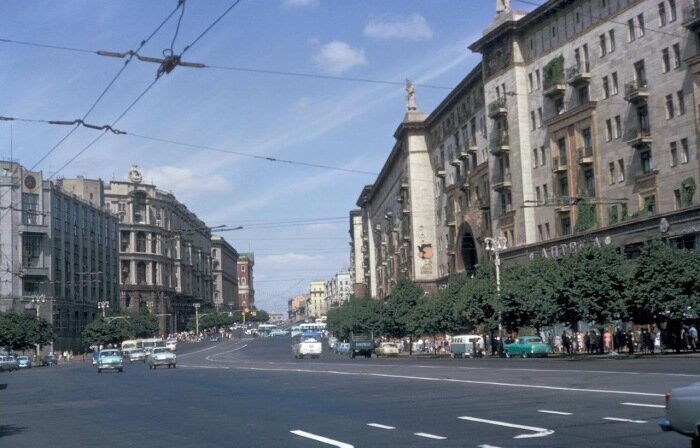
(294, 216)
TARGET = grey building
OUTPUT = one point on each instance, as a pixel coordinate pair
(59, 251)
(225, 273)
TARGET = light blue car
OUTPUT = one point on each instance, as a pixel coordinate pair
(109, 359)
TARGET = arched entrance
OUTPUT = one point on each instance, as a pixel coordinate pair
(470, 258)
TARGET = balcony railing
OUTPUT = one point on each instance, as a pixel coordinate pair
(502, 182)
(585, 155)
(498, 107)
(559, 164)
(636, 91)
(691, 15)
(577, 76)
(500, 142)
(440, 172)
(554, 85)
(640, 138)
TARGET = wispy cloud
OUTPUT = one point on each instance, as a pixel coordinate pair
(289, 260)
(298, 3)
(338, 57)
(413, 27)
(184, 181)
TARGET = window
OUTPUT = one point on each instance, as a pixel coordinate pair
(243, 268)
(685, 153)
(532, 120)
(603, 45)
(554, 31)
(669, 107)
(141, 273)
(586, 62)
(565, 225)
(612, 215)
(681, 102)
(606, 87)
(540, 235)
(674, 154)
(539, 117)
(676, 55)
(583, 95)
(140, 242)
(621, 170)
(30, 209)
(543, 159)
(546, 230)
(665, 61)
(672, 10)
(535, 163)
(537, 194)
(650, 204)
(611, 168)
(662, 14)
(615, 89)
(631, 34)
(608, 130)
(545, 193)
(561, 145)
(677, 199)
(640, 25)
(563, 186)
(618, 126)
(645, 158)
(124, 240)
(611, 41)
(589, 182)
(530, 83)
(640, 74)
(559, 105)
(538, 79)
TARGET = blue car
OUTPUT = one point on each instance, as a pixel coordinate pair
(24, 362)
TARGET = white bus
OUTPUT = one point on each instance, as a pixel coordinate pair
(149, 344)
(316, 326)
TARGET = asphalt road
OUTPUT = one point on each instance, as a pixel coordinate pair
(253, 393)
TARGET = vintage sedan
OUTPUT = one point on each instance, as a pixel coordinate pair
(342, 348)
(109, 359)
(527, 346)
(24, 362)
(8, 363)
(137, 354)
(683, 412)
(387, 349)
(161, 356)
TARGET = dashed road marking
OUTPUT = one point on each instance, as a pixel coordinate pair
(321, 439)
(429, 436)
(644, 405)
(625, 420)
(486, 446)
(380, 426)
(544, 411)
(537, 432)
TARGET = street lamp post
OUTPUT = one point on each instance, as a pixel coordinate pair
(196, 317)
(496, 245)
(37, 300)
(103, 305)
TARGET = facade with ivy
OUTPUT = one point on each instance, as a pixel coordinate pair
(589, 133)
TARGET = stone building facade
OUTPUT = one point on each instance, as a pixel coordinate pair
(246, 291)
(165, 252)
(60, 251)
(296, 308)
(586, 130)
(225, 272)
(316, 301)
(338, 290)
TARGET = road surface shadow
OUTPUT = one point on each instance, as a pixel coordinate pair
(11, 430)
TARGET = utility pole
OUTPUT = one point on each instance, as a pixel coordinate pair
(495, 245)
(196, 317)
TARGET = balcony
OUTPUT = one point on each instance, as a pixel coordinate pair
(503, 182)
(456, 162)
(472, 146)
(636, 92)
(577, 76)
(439, 172)
(450, 219)
(484, 203)
(585, 155)
(498, 108)
(500, 143)
(33, 271)
(406, 211)
(563, 204)
(450, 248)
(554, 86)
(691, 16)
(404, 184)
(34, 224)
(463, 153)
(559, 164)
(464, 184)
(640, 138)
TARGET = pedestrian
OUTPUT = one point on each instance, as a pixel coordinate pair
(693, 336)
(630, 342)
(566, 342)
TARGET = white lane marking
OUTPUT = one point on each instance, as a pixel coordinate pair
(321, 439)
(537, 432)
(644, 405)
(544, 411)
(204, 367)
(486, 446)
(210, 357)
(626, 420)
(380, 426)
(198, 351)
(429, 436)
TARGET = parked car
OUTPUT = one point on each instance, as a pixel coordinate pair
(387, 349)
(683, 412)
(137, 355)
(49, 360)
(161, 356)
(8, 363)
(342, 348)
(467, 345)
(214, 338)
(23, 362)
(526, 346)
(110, 359)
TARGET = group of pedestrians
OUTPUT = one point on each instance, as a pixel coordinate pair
(639, 341)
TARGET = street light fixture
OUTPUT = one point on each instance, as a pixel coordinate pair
(37, 301)
(103, 305)
(496, 245)
(196, 317)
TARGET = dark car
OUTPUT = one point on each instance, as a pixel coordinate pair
(49, 360)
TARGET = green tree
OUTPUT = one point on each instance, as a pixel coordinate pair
(477, 301)
(143, 325)
(20, 331)
(398, 310)
(357, 314)
(108, 331)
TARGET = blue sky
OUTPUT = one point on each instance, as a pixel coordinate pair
(337, 123)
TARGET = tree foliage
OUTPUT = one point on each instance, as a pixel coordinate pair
(115, 329)
(20, 331)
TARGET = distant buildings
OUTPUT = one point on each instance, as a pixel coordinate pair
(316, 302)
(246, 291)
(578, 125)
(338, 290)
(225, 272)
(58, 243)
(296, 308)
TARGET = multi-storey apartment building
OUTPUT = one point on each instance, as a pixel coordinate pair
(59, 250)
(586, 129)
(165, 252)
(296, 308)
(338, 290)
(246, 291)
(358, 273)
(225, 271)
(316, 301)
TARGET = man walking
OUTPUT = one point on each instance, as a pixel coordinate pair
(693, 336)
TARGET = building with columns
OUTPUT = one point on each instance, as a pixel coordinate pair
(579, 126)
(165, 252)
(225, 272)
(59, 248)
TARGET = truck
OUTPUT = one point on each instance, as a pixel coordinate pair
(307, 344)
(361, 344)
